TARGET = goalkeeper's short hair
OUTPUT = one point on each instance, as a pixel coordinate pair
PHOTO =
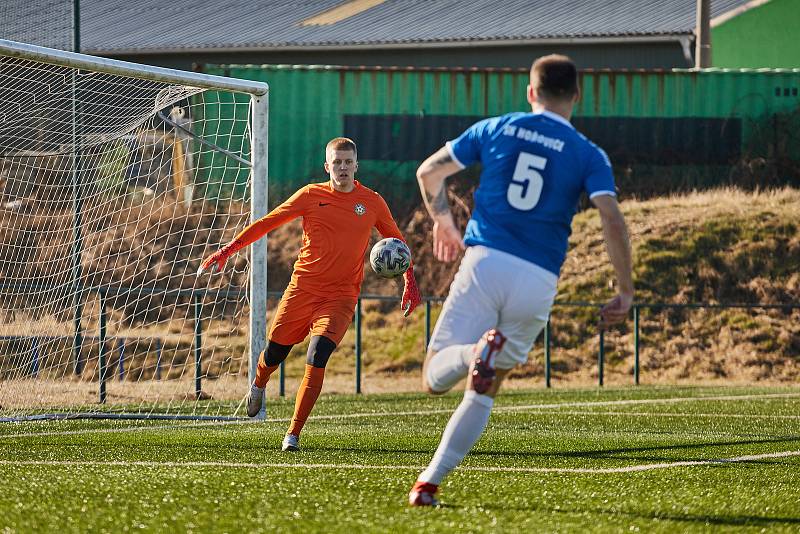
(341, 143)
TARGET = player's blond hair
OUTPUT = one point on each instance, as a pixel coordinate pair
(341, 143)
(554, 77)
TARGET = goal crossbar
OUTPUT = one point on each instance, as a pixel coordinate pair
(126, 68)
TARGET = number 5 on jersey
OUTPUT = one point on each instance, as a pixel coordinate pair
(526, 184)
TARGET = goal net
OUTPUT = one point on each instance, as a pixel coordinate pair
(115, 181)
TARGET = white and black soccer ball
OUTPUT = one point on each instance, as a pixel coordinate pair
(390, 257)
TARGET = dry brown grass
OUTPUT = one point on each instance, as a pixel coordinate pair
(718, 246)
(714, 246)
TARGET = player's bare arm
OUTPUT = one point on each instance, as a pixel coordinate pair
(615, 233)
(432, 175)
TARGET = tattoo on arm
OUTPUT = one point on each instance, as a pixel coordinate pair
(443, 158)
(438, 202)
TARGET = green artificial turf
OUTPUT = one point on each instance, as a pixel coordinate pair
(118, 476)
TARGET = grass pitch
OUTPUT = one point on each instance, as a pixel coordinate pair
(655, 459)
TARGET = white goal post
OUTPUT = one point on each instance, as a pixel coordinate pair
(116, 179)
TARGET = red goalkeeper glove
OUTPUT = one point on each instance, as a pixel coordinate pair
(217, 260)
(411, 298)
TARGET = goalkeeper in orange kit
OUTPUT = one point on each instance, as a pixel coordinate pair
(338, 217)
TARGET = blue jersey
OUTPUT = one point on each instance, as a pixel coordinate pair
(535, 167)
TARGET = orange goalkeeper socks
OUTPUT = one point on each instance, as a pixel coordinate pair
(263, 372)
(310, 388)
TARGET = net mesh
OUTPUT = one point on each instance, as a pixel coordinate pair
(112, 190)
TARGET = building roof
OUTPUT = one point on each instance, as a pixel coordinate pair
(43, 23)
(111, 27)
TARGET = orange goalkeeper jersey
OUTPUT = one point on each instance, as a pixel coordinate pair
(336, 232)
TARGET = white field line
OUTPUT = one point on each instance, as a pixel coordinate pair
(554, 406)
(629, 402)
(242, 465)
(363, 415)
(171, 426)
(656, 414)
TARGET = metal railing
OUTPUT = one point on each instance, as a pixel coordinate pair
(196, 297)
(636, 310)
(357, 320)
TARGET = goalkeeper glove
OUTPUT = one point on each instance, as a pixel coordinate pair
(217, 260)
(411, 298)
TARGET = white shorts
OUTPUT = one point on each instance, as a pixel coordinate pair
(494, 289)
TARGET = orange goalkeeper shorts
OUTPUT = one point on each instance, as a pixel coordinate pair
(300, 313)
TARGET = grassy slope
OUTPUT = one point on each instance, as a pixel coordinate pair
(716, 247)
(173, 496)
(722, 246)
(719, 246)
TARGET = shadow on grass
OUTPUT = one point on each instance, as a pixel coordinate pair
(614, 453)
(272, 443)
(720, 520)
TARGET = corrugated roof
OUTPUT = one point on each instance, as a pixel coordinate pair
(341, 12)
(43, 22)
(141, 26)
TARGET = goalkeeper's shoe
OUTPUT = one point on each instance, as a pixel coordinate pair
(290, 443)
(254, 400)
(423, 494)
(486, 350)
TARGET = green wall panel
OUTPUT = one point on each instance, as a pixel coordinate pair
(763, 36)
(397, 116)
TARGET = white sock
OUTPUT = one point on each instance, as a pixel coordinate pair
(464, 428)
(448, 366)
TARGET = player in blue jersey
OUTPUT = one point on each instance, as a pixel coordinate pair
(535, 166)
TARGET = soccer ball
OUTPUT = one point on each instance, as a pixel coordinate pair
(390, 257)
